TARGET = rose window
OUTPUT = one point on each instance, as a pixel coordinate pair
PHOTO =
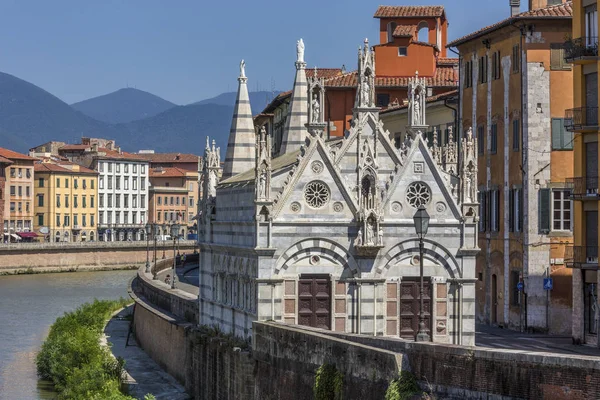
(418, 194)
(316, 194)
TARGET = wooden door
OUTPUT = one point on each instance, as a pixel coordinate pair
(409, 307)
(314, 301)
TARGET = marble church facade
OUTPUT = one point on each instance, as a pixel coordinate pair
(323, 234)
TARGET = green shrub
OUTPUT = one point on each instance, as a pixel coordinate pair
(75, 361)
(329, 383)
(403, 387)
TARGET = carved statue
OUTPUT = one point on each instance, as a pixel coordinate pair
(468, 186)
(358, 241)
(300, 51)
(242, 69)
(370, 233)
(417, 110)
(263, 185)
(365, 92)
(316, 109)
(380, 236)
(212, 184)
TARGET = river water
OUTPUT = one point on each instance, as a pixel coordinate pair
(29, 304)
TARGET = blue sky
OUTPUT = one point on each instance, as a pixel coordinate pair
(184, 50)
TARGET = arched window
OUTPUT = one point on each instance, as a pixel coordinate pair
(423, 32)
(391, 27)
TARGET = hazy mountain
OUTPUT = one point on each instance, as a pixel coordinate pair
(30, 116)
(124, 105)
(258, 100)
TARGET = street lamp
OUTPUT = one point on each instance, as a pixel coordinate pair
(174, 232)
(164, 229)
(156, 230)
(148, 232)
(421, 219)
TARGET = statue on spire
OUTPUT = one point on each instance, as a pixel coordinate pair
(242, 69)
(300, 51)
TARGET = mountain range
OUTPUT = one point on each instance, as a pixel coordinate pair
(30, 116)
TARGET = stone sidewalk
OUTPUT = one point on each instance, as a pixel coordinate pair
(143, 374)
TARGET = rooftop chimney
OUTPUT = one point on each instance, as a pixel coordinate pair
(515, 7)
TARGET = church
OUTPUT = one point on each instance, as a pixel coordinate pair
(324, 233)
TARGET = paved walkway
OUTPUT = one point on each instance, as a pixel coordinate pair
(488, 336)
(143, 374)
(187, 280)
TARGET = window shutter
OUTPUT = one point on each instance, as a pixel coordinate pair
(566, 136)
(555, 54)
(556, 134)
(511, 211)
(544, 210)
(497, 210)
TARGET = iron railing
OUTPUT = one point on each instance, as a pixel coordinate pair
(582, 47)
(583, 187)
(578, 118)
(581, 256)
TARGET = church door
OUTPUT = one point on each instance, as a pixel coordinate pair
(314, 301)
(409, 307)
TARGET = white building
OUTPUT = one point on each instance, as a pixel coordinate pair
(122, 187)
(323, 235)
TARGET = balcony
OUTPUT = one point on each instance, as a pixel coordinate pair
(583, 50)
(582, 257)
(582, 119)
(583, 188)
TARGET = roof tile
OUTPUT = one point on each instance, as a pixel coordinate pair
(13, 155)
(445, 76)
(405, 31)
(408, 11)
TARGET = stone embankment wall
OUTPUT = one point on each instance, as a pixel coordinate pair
(284, 359)
(209, 367)
(54, 257)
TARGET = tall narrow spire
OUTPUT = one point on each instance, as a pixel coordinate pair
(294, 133)
(240, 155)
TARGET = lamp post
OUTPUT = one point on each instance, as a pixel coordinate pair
(165, 232)
(174, 232)
(148, 231)
(421, 219)
(155, 235)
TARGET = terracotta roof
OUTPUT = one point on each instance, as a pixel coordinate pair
(69, 147)
(445, 76)
(171, 157)
(408, 11)
(559, 11)
(52, 167)
(447, 61)
(112, 154)
(323, 72)
(13, 155)
(405, 31)
(5, 160)
(430, 99)
(168, 172)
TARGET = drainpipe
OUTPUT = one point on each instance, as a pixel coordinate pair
(457, 122)
(375, 309)
(358, 312)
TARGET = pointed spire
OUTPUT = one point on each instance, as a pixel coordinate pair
(240, 148)
(294, 133)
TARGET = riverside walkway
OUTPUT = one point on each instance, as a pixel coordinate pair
(143, 374)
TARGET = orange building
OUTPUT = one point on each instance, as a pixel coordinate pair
(514, 90)
(18, 195)
(173, 198)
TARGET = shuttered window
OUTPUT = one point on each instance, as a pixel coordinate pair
(544, 210)
(561, 138)
(468, 74)
(557, 57)
(496, 65)
(511, 210)
(494, 139)
(483, 69)
(482, 211)
(516, 57)
(516, 136)
(480, 139)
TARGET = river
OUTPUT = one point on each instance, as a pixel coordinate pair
(29, 304)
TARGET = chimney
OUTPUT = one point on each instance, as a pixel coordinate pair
(515, 7)
(95, 147)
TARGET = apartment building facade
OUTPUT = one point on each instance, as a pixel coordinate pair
(18, 196)
(514, 90)
(65, 201)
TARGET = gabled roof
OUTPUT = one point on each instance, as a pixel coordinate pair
(5, 160)
(445, 76)
(323, 72)
(408, 11)
(13, 155)
(168, 172)
(278, 163)
(430, 99)
(404, 31)
(170, 157)
(559, 11)
(61, 168)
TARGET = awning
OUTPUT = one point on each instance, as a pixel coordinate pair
(27, 234)
(15, 236)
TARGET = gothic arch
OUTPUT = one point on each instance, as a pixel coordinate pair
(433, 250)
(316, 246)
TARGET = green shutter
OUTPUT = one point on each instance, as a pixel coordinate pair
(557, 134)
(544, 210)
(567, 136)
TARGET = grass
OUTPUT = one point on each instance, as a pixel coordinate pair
(73, 359)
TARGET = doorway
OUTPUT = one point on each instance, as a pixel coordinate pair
(409, 307)
(314, 301)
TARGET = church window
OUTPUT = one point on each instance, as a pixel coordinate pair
(418, 194)
(402, 51)
(316, 194)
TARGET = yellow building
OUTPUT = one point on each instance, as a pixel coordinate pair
(514, 90)
(65, 201)
(581, 50)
